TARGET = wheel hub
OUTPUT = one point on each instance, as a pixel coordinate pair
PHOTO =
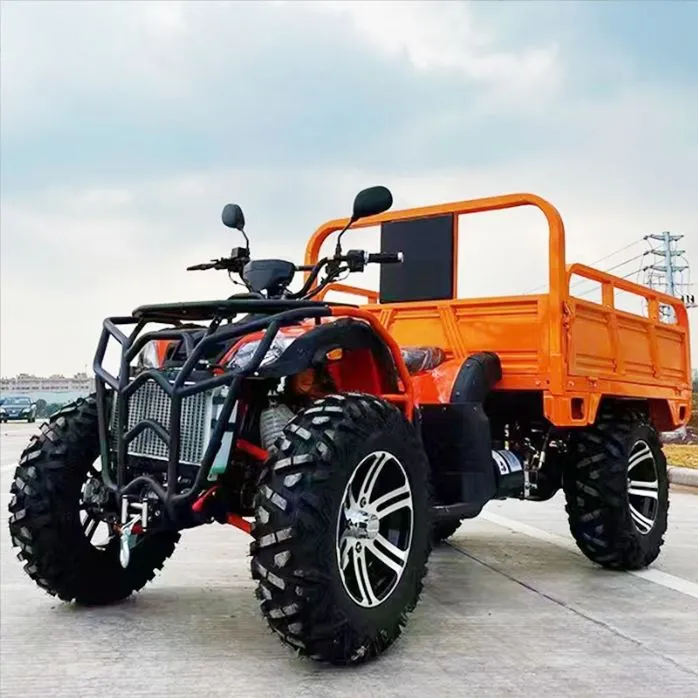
(361, 524)
(374, 529)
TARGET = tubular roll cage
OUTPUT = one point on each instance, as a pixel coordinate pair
(278, 314)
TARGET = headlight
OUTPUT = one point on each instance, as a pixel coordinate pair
(148, 356)
(3, 410)
(245, 353)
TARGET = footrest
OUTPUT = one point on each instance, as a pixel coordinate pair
(453, 512)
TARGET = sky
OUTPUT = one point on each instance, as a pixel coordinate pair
(126, 126)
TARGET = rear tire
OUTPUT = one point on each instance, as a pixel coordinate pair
(617, 491)
(45, 517)
(317, 482)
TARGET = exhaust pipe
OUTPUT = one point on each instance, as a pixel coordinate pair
(509, 474)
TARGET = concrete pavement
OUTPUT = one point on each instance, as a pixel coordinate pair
(510, 608)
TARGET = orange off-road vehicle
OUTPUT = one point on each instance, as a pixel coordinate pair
(348, 439)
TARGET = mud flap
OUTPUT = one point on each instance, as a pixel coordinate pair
(458, 441)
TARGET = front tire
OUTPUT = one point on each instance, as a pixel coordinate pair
(617, 491)
(45, 521)
(342, 532)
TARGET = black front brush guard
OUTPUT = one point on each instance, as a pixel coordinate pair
(276, 315)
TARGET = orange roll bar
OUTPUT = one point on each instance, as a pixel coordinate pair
(559, 288)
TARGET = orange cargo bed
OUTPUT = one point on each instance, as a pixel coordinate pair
(573, 351)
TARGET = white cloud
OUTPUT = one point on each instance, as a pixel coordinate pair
(117, 249)
(165, 19)
(444, 36)
(618, 163)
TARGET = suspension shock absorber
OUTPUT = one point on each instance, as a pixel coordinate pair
(272, 421)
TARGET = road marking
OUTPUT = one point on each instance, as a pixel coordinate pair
(669, 581)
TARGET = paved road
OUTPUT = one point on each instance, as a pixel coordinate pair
(510, 609)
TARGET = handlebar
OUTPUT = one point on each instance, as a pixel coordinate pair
(355, 261)
(202, 267)
(385, 258)
(227, 264)
(354, 257)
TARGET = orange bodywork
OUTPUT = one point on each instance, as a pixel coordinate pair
(574, 352)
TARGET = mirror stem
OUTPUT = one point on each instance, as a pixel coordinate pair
(338, 248)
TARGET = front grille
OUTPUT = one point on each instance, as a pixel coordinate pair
(150, 401)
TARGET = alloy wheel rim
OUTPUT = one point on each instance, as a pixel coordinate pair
(98, 533)
(375, 527)
(643, 487)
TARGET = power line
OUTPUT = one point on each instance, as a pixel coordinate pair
(667, 277)
(613, 254)
(601, 259)
(627, 276)
(627, 261)
(582, 281)
(615, 266)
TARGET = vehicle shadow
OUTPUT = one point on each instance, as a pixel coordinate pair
(467, 577)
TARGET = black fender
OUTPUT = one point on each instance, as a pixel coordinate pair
(311, 348)
(475, 380)
(458, 439)
(306, 351)
(176, 355)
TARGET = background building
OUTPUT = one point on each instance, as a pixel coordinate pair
(53, 389)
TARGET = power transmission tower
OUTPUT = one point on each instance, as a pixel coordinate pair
(667, 273)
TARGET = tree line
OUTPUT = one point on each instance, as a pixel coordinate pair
(46, 409)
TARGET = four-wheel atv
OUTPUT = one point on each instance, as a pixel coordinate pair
(348, 439)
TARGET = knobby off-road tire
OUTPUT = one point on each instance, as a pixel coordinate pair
(297, 550)
(45, 517)
(617, 491)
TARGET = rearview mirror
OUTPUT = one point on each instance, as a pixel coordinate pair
(371, 202)
(233, 217)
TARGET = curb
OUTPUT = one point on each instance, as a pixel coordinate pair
(687, 477)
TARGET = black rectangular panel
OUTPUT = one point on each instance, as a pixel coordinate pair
(426, 274)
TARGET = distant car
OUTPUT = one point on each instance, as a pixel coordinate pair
(17, 407)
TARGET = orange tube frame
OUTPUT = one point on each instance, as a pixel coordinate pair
(559, 288)
(609, 282)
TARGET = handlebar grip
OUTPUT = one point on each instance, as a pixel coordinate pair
(386, 258)
(200, 267)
